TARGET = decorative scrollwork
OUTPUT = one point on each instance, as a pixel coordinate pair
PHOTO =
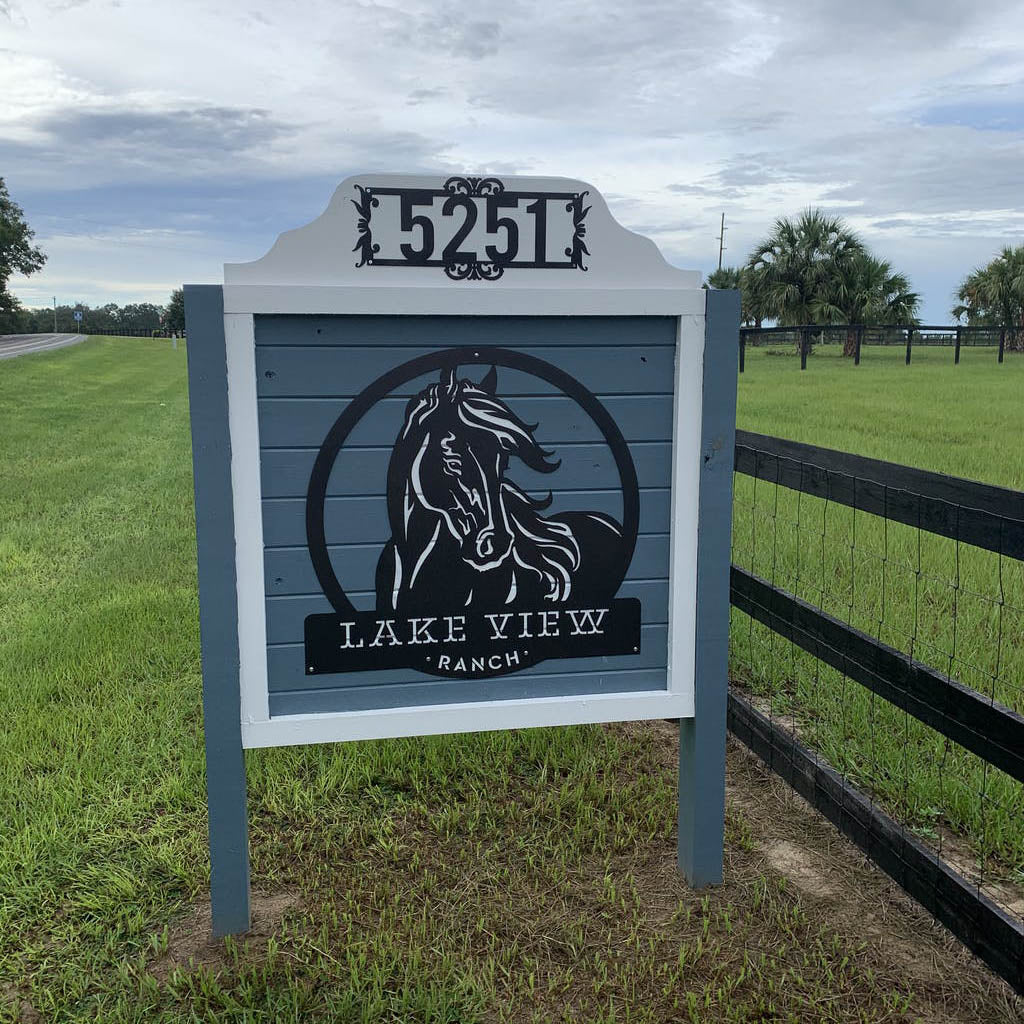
(579, 249)
(365, 245)
(474, 270)
(474, 186)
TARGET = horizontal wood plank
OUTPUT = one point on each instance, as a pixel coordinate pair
(289, 571)
(304, 423)
(285, 472)
(446, 691)
(979, 514)
(286, 371)
(521, 332)
(987, 728)
(953, 900)
(363, 520)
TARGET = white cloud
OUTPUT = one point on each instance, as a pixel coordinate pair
(197, 114)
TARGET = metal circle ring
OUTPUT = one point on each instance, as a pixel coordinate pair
(316, 495)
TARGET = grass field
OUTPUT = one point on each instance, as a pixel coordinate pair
(954, 607)
(521, 876)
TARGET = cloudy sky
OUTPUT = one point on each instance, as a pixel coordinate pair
(150, 141)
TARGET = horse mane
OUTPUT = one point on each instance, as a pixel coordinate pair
(480, 410)
(543, 546)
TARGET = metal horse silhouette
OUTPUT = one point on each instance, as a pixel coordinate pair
(462, 533)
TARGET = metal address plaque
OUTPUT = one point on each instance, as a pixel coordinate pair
(473, 228)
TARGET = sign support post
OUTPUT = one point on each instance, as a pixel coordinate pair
(702, 737)
(218, 611)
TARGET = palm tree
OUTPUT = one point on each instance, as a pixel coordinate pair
(795, 269)
(993, 295)
(724, 277)
(869, 291)
(751, 312)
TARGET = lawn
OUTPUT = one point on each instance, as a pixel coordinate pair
(523, 876)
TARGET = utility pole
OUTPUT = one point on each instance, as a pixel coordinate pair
(55, 314)
(721, 241)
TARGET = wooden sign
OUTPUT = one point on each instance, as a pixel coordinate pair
(463, 452)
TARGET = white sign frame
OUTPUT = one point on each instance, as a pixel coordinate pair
(253, 289)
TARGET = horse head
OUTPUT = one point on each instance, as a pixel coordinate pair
(455, 448)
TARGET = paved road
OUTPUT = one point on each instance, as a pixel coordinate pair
(12, 345)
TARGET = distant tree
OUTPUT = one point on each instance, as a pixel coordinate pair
(104, 318)
(797, 266)
(751, 312)
(815, 270)
(17, 256)
(993, 296)
(140, 316)
(174, 312)
(724, 277)
(869, 291)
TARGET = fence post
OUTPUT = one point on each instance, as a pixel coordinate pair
(743, 350)
(804, 334)
(910, 338)
(956, 352)
(856, 351)
(1002, 343)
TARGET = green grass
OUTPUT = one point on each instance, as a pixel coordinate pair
(509, 876)
(960, 610)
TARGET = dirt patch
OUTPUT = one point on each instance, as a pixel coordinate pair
(800, 866)
(190, 943)
(12, 1002)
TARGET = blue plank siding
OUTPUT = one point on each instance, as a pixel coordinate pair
(526, 332)
(308, 370)
(297, 423)
(285, 471)
(288, 570)
(361, 519)
(299, 702)
(287, 372)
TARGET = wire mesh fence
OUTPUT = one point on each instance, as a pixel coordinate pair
(891, 652)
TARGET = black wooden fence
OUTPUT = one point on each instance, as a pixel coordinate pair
(803, 338)
(85, 327)
(887, 498)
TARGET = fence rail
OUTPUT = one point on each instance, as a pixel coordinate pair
(856, 336)
(113, 332)
(971, 514)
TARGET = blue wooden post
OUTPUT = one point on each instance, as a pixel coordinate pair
(218, 611)
(702, 738)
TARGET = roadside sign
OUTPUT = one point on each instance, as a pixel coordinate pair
(463, 457)
(78, 315)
